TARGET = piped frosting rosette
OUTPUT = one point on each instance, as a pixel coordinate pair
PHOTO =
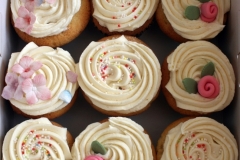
(119, 75)
(123, 15)
(48, 17)
(188, 61)
(196, 29)
(200, 138)
(36, 139)
(45, 79)
(121, 138)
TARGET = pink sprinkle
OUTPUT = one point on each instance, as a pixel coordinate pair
(135, 17)
(119, 25)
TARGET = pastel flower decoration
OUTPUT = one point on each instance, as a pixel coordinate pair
(25, 20)
(208, 87)
(209, 11)
(93, 157)
(13, 89)
(31, 4)
(71, 76)
(36, 89)
(26, 67)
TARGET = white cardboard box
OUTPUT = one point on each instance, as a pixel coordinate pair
(159, 115)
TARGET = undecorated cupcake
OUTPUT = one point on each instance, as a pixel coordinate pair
(49, 22)
(184, 20)
(41, 81)
(119, 75)
(129, 17)
(197, 139)
(113, 139)
(198, 79)
(37, 139)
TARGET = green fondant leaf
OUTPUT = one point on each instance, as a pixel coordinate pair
(192, 12)
(208, 69)
(190, 85)
(203, 1)
(98, 148)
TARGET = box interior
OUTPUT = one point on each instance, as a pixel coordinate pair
(159, 115)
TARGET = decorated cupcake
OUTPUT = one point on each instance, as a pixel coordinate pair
(119, 75)
(116, 138)
(198, 79)
(197, 139)
(192, 19)
(50, 22)
(129, 17)
(41, 81)
(37, 139)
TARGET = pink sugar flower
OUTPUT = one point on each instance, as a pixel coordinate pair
(71, 76)
(30, 4)
(13, 88)
(26, 67)
(25, 20)
(36, 89)
(93, 157)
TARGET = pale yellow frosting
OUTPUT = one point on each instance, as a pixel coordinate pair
(119, 75)
(123, 15)
(51, 19)
(56, 63)
(194, 29)
(36, 139)
(187, 61)
(200, 138)
(122, 138)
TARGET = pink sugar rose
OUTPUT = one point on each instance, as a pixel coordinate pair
(31, 4)
(71, 76)
(25, 20)
(93, 157)
(209, 11)
(208, 87)
(26, 67)
(13, 89)
(36, 89)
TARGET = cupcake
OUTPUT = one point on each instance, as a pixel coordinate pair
(123, 17)
(192, 19)
(119, 75)
(37, 139)
(195, 139)
(198, 79)
(115, 138)
(41, 81)
(49, 22)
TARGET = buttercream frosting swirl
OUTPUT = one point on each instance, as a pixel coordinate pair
(122, 138)
(200, 138)
(194, 29)
(119, 75)
(124, 15)
(36, 139)
(51, 19)
(55, 65)
(187, 61)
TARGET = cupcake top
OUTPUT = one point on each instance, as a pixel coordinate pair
(40, 80)
(201, 77)
(200, 138)
(123, 15)
(196, 19)
(36, 139)
(119, 75)
(117, 138)
(41, 18)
